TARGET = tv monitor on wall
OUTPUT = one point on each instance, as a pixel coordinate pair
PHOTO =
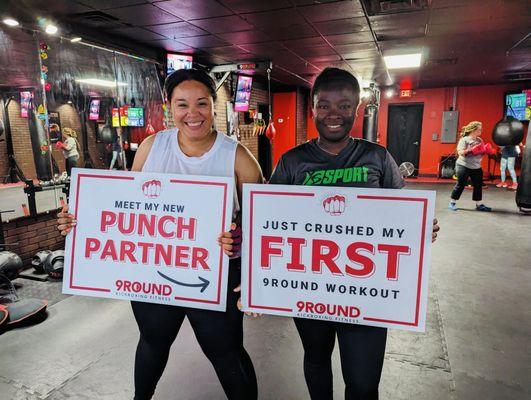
(94, 110)
(135, 116)
(243, 93)
(178, 61)
(25, 103)
(518, 105)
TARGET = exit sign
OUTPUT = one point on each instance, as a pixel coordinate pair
(406, 93)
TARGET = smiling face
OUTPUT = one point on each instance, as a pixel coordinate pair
(192, 108)
(334, 112)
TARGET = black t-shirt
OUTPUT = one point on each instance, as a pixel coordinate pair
(360, 164)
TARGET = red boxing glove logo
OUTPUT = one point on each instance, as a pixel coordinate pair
(151, 188)
(334, 205)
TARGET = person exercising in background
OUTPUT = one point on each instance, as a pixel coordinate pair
(335, 99)
(470, 149)
(69, 147)
(116, 148)
(507, 161)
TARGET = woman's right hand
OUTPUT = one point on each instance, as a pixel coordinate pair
(65, 221)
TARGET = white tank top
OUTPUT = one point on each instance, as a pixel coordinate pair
(166, 156)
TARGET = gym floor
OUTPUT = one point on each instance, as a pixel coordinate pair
(477, 344)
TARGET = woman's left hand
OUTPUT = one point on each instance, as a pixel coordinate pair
(239, 304)
(436, 229)
(231, 241)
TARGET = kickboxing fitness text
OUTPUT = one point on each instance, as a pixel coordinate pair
(146, 252)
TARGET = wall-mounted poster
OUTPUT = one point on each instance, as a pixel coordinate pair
(25, 103)
(55, 126)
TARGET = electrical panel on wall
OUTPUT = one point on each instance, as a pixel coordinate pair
(449, 126)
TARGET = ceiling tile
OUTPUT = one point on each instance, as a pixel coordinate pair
(274, 19)
(204, 41)
(349, 48)
(340, 26)
(177, 30)
(305, 42)
(172, 45)
(292, 32)
(106, 4)
(231, 23)
(194, 9)
(245, 6)
(140, 34)
(332, 11)
(245, 37)
(231, 52)
(351, 38)
(144, 14)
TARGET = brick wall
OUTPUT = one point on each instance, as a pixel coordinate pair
(33, 235)
(21, 142)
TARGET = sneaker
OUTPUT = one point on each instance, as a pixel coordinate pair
(514, 186)
(501, 185)
(452, 206)
(483, 207)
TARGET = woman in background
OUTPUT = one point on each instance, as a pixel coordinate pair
(508, 158)
(470, 150)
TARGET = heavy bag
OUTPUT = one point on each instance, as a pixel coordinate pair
(43, 165)
(10, 264)
(523, 192)
(107, 134)
(39, 259)
(53, 265)
(508, 132)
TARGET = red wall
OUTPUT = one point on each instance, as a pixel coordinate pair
(284, 109)
(481, 103)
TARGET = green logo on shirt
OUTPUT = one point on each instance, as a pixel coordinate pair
(332, 176)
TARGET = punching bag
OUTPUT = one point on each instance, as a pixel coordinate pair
(370, 122)
(39, 141)
(508, 132)
(523, 192)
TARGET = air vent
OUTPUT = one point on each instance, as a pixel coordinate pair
(383, 7)
(518, 76)
(95, 19)
(441, 61)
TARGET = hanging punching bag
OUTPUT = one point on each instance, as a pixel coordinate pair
(508, 132)
(39, 141)
(523, 192)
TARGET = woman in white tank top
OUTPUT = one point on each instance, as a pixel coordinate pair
(194, 148)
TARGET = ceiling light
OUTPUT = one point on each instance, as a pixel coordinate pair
(389, 93)
(75, 39)
(403, 61)
(101, 82)
(10, 22)
(51, 29)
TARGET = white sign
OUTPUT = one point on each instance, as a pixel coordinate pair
(338, 254)
(149, 237)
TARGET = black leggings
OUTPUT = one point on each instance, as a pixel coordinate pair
(361, 348)
(70, 163)
(476, 176)
(220, 335)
